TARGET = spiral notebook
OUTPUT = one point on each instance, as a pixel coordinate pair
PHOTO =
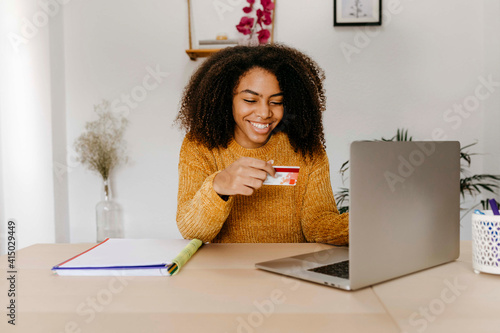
(131, 257)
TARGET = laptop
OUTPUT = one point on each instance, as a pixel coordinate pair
(403, 216)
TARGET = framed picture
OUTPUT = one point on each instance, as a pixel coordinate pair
(357, 12)
(213, 24)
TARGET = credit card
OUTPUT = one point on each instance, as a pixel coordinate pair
(285, 175)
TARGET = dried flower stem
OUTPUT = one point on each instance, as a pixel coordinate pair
(101, 148)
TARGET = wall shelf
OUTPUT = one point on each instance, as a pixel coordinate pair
(200, 53)
(203, 53)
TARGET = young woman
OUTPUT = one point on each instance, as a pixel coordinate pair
(244, 110)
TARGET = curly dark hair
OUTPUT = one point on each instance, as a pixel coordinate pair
(206, 107)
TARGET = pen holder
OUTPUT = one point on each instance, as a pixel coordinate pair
(486, 243)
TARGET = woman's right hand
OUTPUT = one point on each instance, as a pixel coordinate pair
(243, 177)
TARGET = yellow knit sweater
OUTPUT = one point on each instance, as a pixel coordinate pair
(305, 212)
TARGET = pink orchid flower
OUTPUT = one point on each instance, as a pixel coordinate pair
(264, 35)
(264, 17)
(249, 8)
(267, 4)
(245, 26)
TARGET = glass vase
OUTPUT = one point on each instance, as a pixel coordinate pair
(109, 217)
(252, 40)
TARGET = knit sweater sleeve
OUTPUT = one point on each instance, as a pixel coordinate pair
(201, 212)
(321, 221)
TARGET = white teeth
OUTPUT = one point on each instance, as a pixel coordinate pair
(261, 126)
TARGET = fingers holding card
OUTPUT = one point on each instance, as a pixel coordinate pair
(285, 175)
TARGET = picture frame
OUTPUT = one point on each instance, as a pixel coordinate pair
(212, 26)
(357, 12)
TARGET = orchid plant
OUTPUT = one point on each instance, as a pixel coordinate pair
(249, 26)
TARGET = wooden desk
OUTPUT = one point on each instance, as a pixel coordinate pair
(220, 291)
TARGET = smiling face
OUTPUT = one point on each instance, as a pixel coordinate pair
(257, 108)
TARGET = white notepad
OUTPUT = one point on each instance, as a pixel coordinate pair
(131, 257)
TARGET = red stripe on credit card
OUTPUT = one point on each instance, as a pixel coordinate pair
(281, 169)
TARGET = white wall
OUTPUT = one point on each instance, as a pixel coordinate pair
(59, 142)
(426, 58)
(407, 73)
(110, 47)
(491, 125)
(25, 128)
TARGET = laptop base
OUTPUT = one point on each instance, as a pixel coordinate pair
(299, 266)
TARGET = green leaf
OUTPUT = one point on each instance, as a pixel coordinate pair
(469, 185)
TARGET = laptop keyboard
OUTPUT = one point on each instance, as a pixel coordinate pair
(339, 269)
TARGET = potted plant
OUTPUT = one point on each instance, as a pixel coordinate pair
(472, 185)
(101, 148)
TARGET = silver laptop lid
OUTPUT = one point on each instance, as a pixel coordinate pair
(405, 208)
